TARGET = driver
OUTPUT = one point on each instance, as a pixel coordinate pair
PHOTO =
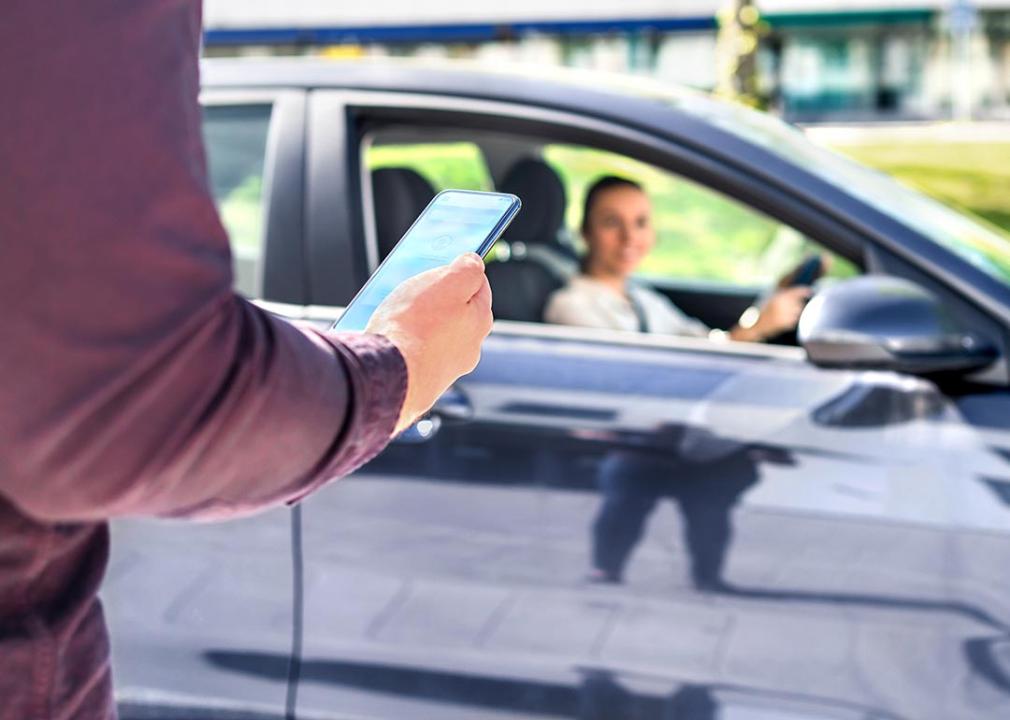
(617, 228)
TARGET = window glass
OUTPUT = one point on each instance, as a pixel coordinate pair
(457, 165)
(700, 234)
(236, 137)
(983, 245)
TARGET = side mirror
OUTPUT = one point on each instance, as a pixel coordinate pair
(887, 323)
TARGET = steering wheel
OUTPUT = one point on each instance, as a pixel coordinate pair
(806, 274)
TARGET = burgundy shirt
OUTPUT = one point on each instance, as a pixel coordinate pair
(133, 381)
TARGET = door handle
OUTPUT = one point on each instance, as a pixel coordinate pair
(421, 431)
(452, 408)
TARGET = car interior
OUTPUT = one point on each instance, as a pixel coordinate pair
(540, 251)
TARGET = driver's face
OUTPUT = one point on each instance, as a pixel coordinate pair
(619, 231)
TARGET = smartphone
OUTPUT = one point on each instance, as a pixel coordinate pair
(808, 272)
(455, 222)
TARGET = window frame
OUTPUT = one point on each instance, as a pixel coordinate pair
(367, 110)
(281, 266)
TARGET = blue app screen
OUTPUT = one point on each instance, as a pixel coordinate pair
(454, 223)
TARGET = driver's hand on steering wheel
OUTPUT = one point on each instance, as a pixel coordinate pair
(789, 279)
(781, 312)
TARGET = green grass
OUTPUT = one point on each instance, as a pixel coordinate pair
(445, 165)
(972, 177)
(242, 215)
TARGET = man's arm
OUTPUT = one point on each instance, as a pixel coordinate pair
(134, 380)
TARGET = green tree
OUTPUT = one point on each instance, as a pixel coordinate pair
(737, 45)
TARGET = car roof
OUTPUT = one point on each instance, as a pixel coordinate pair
(687, 116)
(735, 134)
(577, 90)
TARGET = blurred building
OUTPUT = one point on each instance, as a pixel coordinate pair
(819, 60)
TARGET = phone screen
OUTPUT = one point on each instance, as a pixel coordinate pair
(454, 223)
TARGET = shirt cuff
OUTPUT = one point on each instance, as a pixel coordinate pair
(377, 378)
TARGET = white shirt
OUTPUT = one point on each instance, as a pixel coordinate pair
(586, 302)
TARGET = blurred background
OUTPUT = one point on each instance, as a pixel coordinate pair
(919, 89)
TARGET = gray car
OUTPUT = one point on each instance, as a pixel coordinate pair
(813, 528)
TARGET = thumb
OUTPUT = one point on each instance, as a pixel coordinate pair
(465, 275)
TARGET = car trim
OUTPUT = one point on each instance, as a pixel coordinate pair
(684, 160)
(327, 314)
(282, 260)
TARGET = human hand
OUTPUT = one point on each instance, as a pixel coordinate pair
(781, 312)
(790, 278)
(437, 320)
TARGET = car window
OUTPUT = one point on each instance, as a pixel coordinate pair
(457, 165)
(979, 243)
(701, 235)
(983, 245)
(236, 137)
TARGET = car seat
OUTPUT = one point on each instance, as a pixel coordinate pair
(532, 259)
(399, 194)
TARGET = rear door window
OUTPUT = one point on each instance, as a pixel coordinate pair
(235, 137)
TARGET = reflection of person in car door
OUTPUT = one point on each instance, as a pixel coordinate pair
(617, 228)
(633, 481)
(703, 473)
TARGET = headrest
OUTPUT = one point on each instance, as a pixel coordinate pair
(543, 198)
(399, 195)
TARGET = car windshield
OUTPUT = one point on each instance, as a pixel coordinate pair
(986, 248)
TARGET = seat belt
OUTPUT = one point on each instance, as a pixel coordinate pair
(643, 322)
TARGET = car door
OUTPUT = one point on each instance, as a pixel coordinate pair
(776, 539)
(367, 537)
(187, 602)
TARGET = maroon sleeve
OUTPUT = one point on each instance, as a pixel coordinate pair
(132, 379)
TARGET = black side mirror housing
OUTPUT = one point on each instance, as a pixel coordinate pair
(888, 323)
